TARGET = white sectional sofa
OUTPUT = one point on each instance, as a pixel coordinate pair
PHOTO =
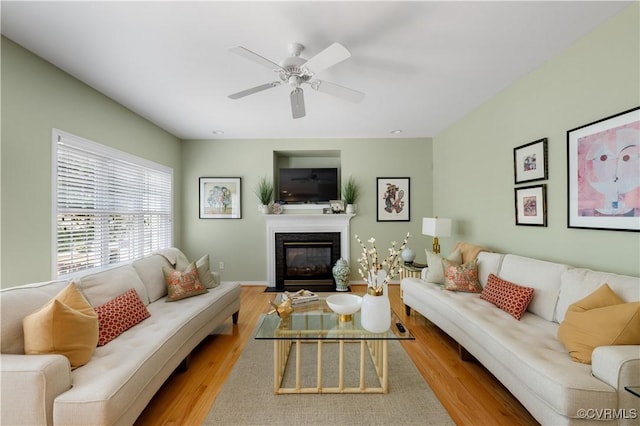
(122, 376)
(526, 355)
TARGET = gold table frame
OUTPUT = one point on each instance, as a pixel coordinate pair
(315, 324)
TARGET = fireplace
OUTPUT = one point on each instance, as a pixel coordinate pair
(304, 224)
(305, 260)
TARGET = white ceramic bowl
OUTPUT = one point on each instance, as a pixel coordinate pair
(345, 304)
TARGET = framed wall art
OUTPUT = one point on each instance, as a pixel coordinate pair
(604, 173)
(531, 205)
(220, 198)
(393, 199)
(530, 162)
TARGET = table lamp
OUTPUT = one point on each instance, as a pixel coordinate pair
(436, 227)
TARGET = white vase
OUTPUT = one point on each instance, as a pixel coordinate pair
(375, 311)
(351, 209)
(263, 208)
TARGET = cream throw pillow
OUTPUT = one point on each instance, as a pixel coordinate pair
(435, 274)
(67, 325)
(600, 319)
(204, 272)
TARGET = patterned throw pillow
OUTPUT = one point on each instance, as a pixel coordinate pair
(120, 314)
(461, 277)
(181, 285)
(509, 297)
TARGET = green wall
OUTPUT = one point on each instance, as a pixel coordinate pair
(37, 97)
(241, 244)
(597, 77)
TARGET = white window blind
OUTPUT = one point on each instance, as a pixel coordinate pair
(109, 207)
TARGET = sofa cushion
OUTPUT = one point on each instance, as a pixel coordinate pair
(543, 276)
(150, 271)
(507, 296)
(103, 286)
(181, 285)
(204, 272)
(461, 277)
(67, 325)
(435, 273)
(119, 315)
(600, 319)
(488, 263)
(578, 283)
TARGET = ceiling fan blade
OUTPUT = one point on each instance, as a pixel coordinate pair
(337, 90)
(297, 103)
(252, 56)
(253, 90)
(330, 56)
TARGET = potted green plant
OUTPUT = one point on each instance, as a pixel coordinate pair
(350, 194)
(264, 192)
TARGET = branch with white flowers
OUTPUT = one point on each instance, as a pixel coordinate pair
(369, 267)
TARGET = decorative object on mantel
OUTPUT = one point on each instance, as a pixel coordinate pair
(604, 173)
(220, 198)
(341, 271)
(393, 199)
(376, 310)
(337, 206)
(275, 208)
(350, 193)
(264, 192)
(436, 227)
(530, 162)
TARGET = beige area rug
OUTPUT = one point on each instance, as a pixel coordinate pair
(247, 397)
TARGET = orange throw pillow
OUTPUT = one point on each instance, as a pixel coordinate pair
(600, 319)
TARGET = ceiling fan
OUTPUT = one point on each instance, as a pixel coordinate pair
(296, 71)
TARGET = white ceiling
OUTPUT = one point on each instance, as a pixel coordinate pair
(423, 65)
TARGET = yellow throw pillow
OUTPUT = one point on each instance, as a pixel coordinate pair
(67, 325)
(600, 319)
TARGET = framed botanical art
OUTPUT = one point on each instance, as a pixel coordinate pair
(530, 162)
(604, 173)
(531, 205)
(220, 198)
(393, 199)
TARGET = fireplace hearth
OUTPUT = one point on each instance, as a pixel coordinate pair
(305, 260)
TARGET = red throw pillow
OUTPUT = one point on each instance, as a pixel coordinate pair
(509, 297)
(120, 314)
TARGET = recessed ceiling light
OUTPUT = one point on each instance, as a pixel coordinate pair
(396, 131)
(218, 132)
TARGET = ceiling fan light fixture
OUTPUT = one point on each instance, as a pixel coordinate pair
(396, 131)
(218, 132)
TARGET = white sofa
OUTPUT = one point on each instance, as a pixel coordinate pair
(122, 376)
(526, 355)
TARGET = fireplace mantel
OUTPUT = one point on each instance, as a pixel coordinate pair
(304, 223)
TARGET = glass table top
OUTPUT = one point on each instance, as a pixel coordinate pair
(316, 321)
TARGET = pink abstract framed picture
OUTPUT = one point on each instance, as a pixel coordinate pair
(531, 205)
(604, 173)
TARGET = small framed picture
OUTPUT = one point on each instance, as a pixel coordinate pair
(604, 173)
(393, 199)
(220, 198)
(530, 162)
(337, 206)
(531, 205)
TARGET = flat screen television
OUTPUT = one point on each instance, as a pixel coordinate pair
(308, 185)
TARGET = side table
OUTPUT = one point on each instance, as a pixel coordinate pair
(411, 270)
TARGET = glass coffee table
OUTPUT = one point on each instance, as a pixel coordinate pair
(315, 323)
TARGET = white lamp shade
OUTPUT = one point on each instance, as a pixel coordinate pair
(436, 226)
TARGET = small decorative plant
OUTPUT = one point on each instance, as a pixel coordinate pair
(350, 191)
(264, 191)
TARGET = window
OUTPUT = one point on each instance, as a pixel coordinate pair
(109, 207)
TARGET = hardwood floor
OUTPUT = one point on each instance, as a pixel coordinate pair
(471, 395)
